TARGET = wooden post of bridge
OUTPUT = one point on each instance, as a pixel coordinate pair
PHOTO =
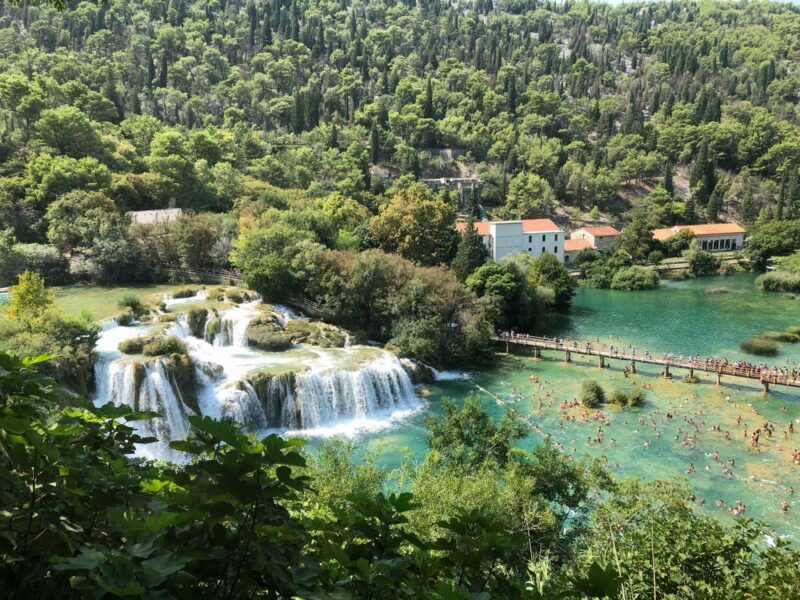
(507, 347)
(765, 382)
(567, 356)
(719, 377)
(537, 352)
(602, 361)
(691, 373)
(633, 366)
(666, 372)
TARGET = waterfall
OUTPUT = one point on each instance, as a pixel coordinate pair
(314, 399)
(231, 327)
(148, 386)
(378, 387)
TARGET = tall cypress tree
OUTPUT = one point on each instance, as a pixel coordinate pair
(669, 185)
(374, 143)
(471, 253)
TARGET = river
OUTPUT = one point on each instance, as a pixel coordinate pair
(679, 317)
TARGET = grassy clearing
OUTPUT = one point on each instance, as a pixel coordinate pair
(102, 302)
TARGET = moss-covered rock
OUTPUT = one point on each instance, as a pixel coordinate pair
(168, 317)
(196, 320)
(316, 333)
(153, 345)
(265, 333)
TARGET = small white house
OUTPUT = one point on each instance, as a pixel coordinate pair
(532, 236)
(154, 217)
(599, 237)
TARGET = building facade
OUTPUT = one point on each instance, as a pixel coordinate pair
(572, 247)
(713, 237)
(600, 237)
(532, 236)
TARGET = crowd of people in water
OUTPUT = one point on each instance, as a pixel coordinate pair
(691, 426)
(715, 364)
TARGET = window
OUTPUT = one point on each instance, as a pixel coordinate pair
(530, 239)
(556, 237)
(555, 249)
(544, 237)
(566, 258)
(543, 250)
(530, 249)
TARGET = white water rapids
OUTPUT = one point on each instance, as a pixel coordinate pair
(306, 388)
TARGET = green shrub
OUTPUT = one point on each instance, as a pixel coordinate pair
(132, 302)
(618, 397)
(780, 281)
(125, 318)
(184, 293)
(316, 333)
(655, 257)
(592, 395)
(265, 339)
(635, 278)
(795, 329)
(196, 319)
(759, 347)
(636, 396)
(781, 336)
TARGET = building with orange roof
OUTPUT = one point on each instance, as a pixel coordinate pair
(532, 236)
(600, 236)
(572, 247)
(713, 237)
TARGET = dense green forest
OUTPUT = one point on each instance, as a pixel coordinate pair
(292, 134)
(250, 518)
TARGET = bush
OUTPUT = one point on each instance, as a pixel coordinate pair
(184, 293)
(592, 395)
(780, 281)
(618, 397)
(270, 341)
(635, 278)
(781, 336)
(636, 397)
(234, 297)
(759, 347)
(43, 259)
(125, 318)
(133, 345)
(132, 302)
(655, 257)
(795, 329)
(168, 317)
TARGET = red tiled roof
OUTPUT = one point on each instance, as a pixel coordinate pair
(531, 225)
(601, 230)
(528, 226)
(575, 245)
(482, 227)
(709, 229)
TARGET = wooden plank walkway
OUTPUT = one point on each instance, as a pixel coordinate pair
(765, 377)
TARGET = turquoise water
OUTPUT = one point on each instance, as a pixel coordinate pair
(651, 442)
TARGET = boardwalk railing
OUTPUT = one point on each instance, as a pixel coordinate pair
(718, 367)
(219, 275)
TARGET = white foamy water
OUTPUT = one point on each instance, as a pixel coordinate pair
(306, 389)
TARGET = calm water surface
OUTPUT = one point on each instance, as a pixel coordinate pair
(679, 317)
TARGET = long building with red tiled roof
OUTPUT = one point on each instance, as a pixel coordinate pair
(714, 237)
(532, 236)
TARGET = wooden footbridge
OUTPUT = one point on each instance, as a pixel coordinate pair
(717, 367)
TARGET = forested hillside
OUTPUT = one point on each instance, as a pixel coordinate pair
(291, 134)
(552, 104)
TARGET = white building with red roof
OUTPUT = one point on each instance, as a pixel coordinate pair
(532, 236)
(713, 237)
(600, 236)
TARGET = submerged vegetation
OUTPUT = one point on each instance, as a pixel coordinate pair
(760, 347)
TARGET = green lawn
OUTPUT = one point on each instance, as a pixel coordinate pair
(101, 302)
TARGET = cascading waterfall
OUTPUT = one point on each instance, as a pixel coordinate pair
(148, 386)
(378, 387)
(301, 388)
(231, 327)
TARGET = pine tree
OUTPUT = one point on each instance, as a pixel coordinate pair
(266, 31)
(162, 71)
(690, 212)
(471, 253)
(428, 108)
(298, 113)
